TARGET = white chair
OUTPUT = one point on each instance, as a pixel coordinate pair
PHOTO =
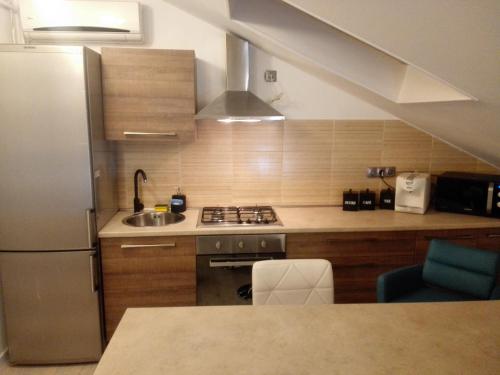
(292, 282)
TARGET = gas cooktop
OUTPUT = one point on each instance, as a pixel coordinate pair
(246, 215)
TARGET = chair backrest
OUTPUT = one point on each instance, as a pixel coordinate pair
(462, 269)
(292, 282)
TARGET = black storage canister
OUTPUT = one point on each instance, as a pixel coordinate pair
(367, 200)
(350, 201)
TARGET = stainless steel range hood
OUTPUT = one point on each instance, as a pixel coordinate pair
(237, 104)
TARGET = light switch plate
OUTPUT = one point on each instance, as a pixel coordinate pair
(271, 76)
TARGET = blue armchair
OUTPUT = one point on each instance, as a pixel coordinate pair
(450, 273)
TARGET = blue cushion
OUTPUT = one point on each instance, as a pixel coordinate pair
(430, 294)
(461, 269)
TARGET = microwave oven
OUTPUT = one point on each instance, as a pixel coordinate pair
(468, 193)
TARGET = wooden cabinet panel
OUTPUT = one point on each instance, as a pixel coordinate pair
(146, 272)
(148, 91)
(489, 239)
(357, 258)
(465, 237)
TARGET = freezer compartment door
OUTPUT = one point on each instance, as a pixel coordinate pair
(51, 307)
(45, 160)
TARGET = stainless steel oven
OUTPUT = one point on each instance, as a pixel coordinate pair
(224, 265)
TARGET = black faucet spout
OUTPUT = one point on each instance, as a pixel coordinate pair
(138, 206)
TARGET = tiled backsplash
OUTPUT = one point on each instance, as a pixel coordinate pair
(303, 162)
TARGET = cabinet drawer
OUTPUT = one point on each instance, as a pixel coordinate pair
(357, 258)
(368, 249)
(489, 239)
(146, 272)
(464, 237)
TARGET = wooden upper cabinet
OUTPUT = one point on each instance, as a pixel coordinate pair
(149, 94)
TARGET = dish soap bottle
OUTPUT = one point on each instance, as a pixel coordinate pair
(178, 202)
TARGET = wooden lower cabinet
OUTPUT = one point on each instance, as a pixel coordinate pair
(485, 239)
(357, 258)
(161, 271)
(146, 272)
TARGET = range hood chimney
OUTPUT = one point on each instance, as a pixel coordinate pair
(237, 104)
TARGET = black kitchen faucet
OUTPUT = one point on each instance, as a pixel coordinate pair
(138, 206)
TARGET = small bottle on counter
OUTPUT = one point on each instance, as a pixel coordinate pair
(178, 202)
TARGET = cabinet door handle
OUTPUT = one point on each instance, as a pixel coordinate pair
(171, 244)
(90, 218)
(462, 237)
(150, 134)
(491, 235)
(338, 240)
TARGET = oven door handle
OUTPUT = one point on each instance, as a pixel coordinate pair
(235, 262)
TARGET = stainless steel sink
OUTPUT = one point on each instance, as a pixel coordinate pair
(153, 219)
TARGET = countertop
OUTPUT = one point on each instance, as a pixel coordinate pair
(413, 338)
(309, 220)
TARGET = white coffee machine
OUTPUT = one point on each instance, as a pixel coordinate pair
(413, 192)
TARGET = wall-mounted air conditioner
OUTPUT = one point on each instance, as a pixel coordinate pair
(56, 21)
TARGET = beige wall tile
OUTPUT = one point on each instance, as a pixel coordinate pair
(308, 135)
(482, 167)
(406, 148)
(307, 162)
(207, 165)
(294, 162)
(357, 146)
(446, 158)
(161, 164)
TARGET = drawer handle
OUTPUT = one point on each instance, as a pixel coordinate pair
(150, 134)
(493, 235)
(337, 240)
(172, 244)
(463, 237)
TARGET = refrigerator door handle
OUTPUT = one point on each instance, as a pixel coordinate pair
(93, 287)
(90, 227)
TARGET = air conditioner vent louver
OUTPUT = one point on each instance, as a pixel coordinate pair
(82, 28)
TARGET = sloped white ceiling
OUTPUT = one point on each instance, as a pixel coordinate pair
(457, 42)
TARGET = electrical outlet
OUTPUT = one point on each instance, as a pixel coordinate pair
(381, 172)
(271, 76)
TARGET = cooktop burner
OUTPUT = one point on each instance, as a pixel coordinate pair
(246, 215)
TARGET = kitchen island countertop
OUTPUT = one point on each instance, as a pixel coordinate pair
(308, 220)
(412, 338)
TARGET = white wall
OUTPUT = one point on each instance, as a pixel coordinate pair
(169, 27)
(305, 96)
(5, 29)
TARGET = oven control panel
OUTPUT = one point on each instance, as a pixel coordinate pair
(241, 244)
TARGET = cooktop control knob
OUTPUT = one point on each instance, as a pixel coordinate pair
(241, 244)
(218, 245)
(263, 244)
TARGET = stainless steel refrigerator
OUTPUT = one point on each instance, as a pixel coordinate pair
(56, 191)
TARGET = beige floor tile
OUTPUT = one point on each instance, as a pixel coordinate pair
(6, 369)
